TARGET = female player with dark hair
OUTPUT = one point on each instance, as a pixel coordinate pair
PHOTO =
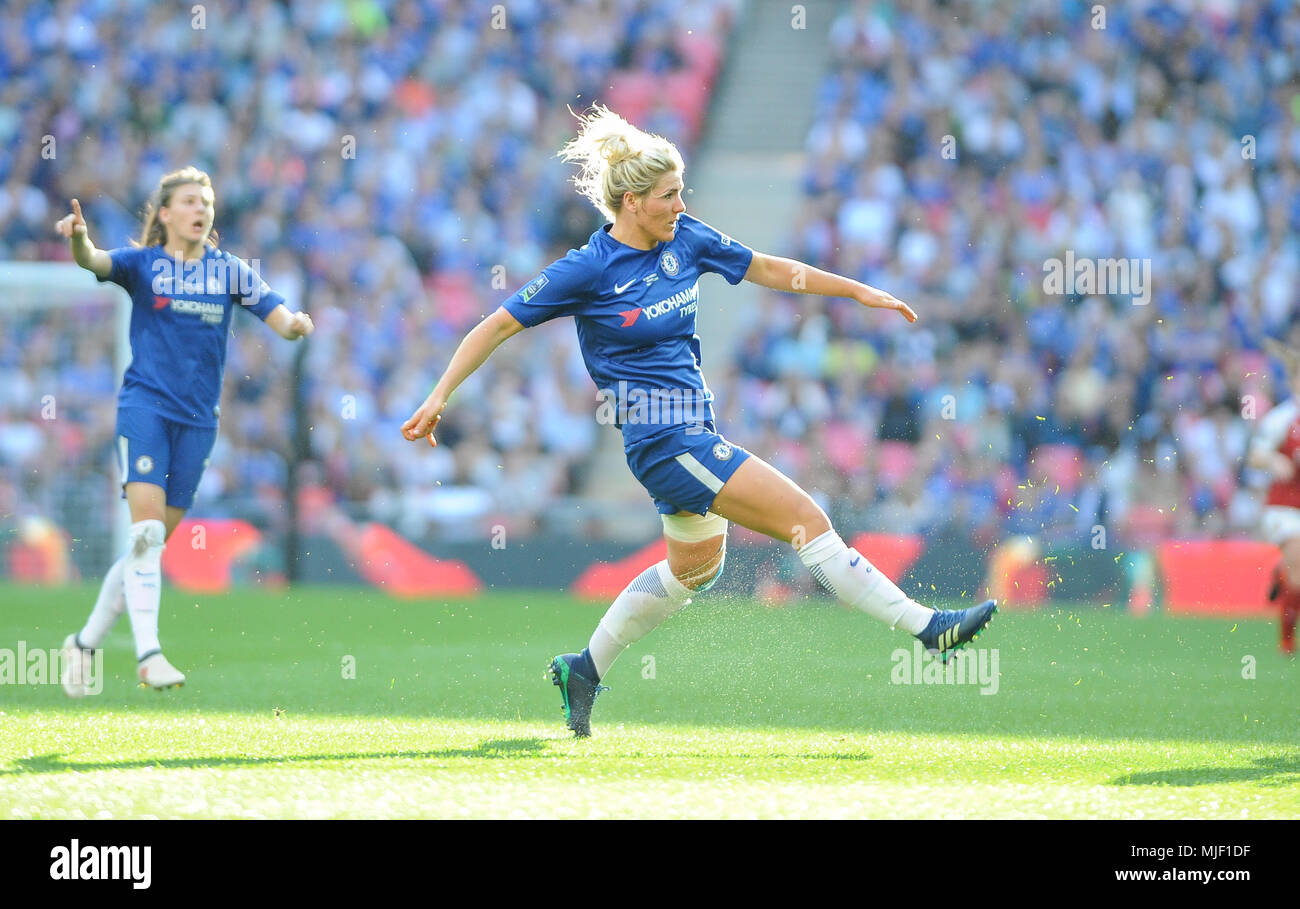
(183, 291)
(633, 292)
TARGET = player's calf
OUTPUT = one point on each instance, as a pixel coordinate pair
(854, 581)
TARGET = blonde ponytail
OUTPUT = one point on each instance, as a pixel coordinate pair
(617, 158)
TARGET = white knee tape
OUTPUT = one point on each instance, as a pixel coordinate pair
(693, 528)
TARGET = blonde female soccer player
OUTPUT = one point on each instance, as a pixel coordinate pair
(633, 292)
(183, 291)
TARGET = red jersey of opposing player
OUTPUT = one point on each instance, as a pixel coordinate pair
(1280, 431)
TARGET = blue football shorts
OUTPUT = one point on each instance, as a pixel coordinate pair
(154, 449)
(684, 468)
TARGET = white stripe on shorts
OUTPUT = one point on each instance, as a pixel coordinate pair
(126, 463)
(700, 472)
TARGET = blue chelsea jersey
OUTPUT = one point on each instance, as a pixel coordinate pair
(180, 322)
(635, 313)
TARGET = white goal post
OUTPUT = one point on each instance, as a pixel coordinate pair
(28, 290)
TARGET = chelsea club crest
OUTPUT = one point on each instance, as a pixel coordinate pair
(668, 262)
(722, 451)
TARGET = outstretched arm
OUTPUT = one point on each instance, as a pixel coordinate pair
(1276, 464)
(796, 277)
(289, 325)
(473, 351)
(73, 227)
(1264, 444)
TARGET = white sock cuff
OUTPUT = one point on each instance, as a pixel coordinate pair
(829, 544)
(675, 589)
(146, 534)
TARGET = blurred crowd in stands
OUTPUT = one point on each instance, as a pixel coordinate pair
(390, 165)
(951, 162)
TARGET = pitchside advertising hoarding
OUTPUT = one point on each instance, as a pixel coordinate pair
(1207, 577)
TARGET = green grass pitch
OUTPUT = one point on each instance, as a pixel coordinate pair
(728, 710)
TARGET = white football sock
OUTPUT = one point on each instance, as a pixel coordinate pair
(109, 605)
(143, 583)
(653, 596)
(853, 580)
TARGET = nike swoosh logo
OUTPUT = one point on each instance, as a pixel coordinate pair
(619, 289)
(855, 561)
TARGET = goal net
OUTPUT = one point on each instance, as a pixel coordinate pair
(64, 346)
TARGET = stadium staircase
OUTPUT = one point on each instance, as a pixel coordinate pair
(745, 175)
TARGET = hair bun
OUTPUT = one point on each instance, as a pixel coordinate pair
(616, 158)
(615, 149)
